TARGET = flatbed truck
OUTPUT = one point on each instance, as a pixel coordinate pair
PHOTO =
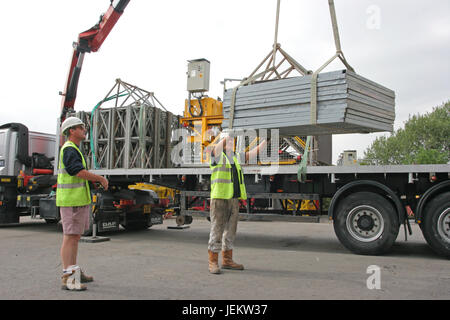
(367, 204)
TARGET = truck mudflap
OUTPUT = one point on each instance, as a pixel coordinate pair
(108, 225)
(48, 209)
(107, 222)
(8, 214)
(8, 197)
(156, 218)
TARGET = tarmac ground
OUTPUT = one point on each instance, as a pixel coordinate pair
(283, 261)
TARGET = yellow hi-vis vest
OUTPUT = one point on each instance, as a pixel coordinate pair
(71, 191)
(221, 179)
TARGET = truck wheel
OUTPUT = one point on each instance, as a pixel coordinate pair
(436, 224)
(182, 220)
(366, 223)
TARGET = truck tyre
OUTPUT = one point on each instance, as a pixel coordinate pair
(183, 219)
(436, 224)
(366, 223)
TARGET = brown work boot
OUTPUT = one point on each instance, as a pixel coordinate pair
(71, 283)
(85, 278)
(228, 263)
(213, 262)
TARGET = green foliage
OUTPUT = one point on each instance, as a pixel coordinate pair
(424, 140)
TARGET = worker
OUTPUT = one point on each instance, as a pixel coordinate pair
(73, 197)
(227, 188)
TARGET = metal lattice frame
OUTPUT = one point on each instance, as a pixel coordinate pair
(85, 148)
(269, 69)
(128, 130)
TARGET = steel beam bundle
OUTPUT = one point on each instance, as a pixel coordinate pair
(347, 103)
(134, 133)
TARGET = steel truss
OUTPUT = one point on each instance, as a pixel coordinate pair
(128, 129)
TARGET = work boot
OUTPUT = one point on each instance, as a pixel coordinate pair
(85, 278)
(228, 263)
(71, 284)
(213, 262)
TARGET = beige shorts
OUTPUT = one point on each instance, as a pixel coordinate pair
(75, 220)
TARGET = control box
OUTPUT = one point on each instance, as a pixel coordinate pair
(198, 75)
(348, 158)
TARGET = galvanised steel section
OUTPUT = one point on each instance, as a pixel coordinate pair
(347, 103)
(128, 130)
(85, 145)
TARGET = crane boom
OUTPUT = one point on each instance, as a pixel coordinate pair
(89, 41)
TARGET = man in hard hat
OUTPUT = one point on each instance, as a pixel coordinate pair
(73, 197)
(227, 188)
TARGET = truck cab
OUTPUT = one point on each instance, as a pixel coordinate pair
(26, 170)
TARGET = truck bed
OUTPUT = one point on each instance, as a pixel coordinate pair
(284, 169)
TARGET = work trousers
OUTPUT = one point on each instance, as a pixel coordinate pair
(224, 215)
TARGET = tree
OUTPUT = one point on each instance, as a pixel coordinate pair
(425, 139)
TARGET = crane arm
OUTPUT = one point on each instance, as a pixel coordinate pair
(89, 41)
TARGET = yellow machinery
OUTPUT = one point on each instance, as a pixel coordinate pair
(166, 195)
(305, 205)
(162, 192)
(204, 117)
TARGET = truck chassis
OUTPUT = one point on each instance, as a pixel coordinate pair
(368, 204)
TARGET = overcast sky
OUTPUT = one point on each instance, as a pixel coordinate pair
(401, 44)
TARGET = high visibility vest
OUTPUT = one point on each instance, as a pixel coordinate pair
(71, 191)
(221, 179)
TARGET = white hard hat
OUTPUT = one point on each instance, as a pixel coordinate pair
(70, 122)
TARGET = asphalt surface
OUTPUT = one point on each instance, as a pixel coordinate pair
(283, 261)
